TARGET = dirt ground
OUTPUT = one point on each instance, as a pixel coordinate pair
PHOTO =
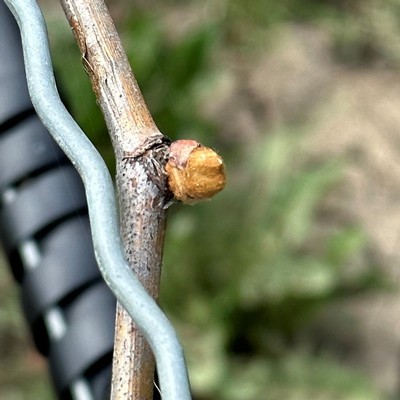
(348, 113)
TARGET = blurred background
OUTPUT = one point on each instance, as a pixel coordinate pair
(286, 285)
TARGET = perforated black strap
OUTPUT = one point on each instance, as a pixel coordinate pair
(88, 339)
(26, 149)
(40, 202)
(60, 274)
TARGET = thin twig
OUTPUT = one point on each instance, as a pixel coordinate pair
(140, 151)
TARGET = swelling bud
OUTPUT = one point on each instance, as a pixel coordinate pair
(194, 172)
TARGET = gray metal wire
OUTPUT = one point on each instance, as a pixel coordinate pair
(101, 202)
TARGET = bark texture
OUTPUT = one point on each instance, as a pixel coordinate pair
(144, 189)
(140, 151)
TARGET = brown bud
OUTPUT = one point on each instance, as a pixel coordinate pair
(194, 172)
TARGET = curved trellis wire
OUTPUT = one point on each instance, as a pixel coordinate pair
(101, 202)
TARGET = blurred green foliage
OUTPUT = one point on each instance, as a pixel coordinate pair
(22, 370)
(363, 31)
(368, 33)
(245, 273)
(172, 74)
